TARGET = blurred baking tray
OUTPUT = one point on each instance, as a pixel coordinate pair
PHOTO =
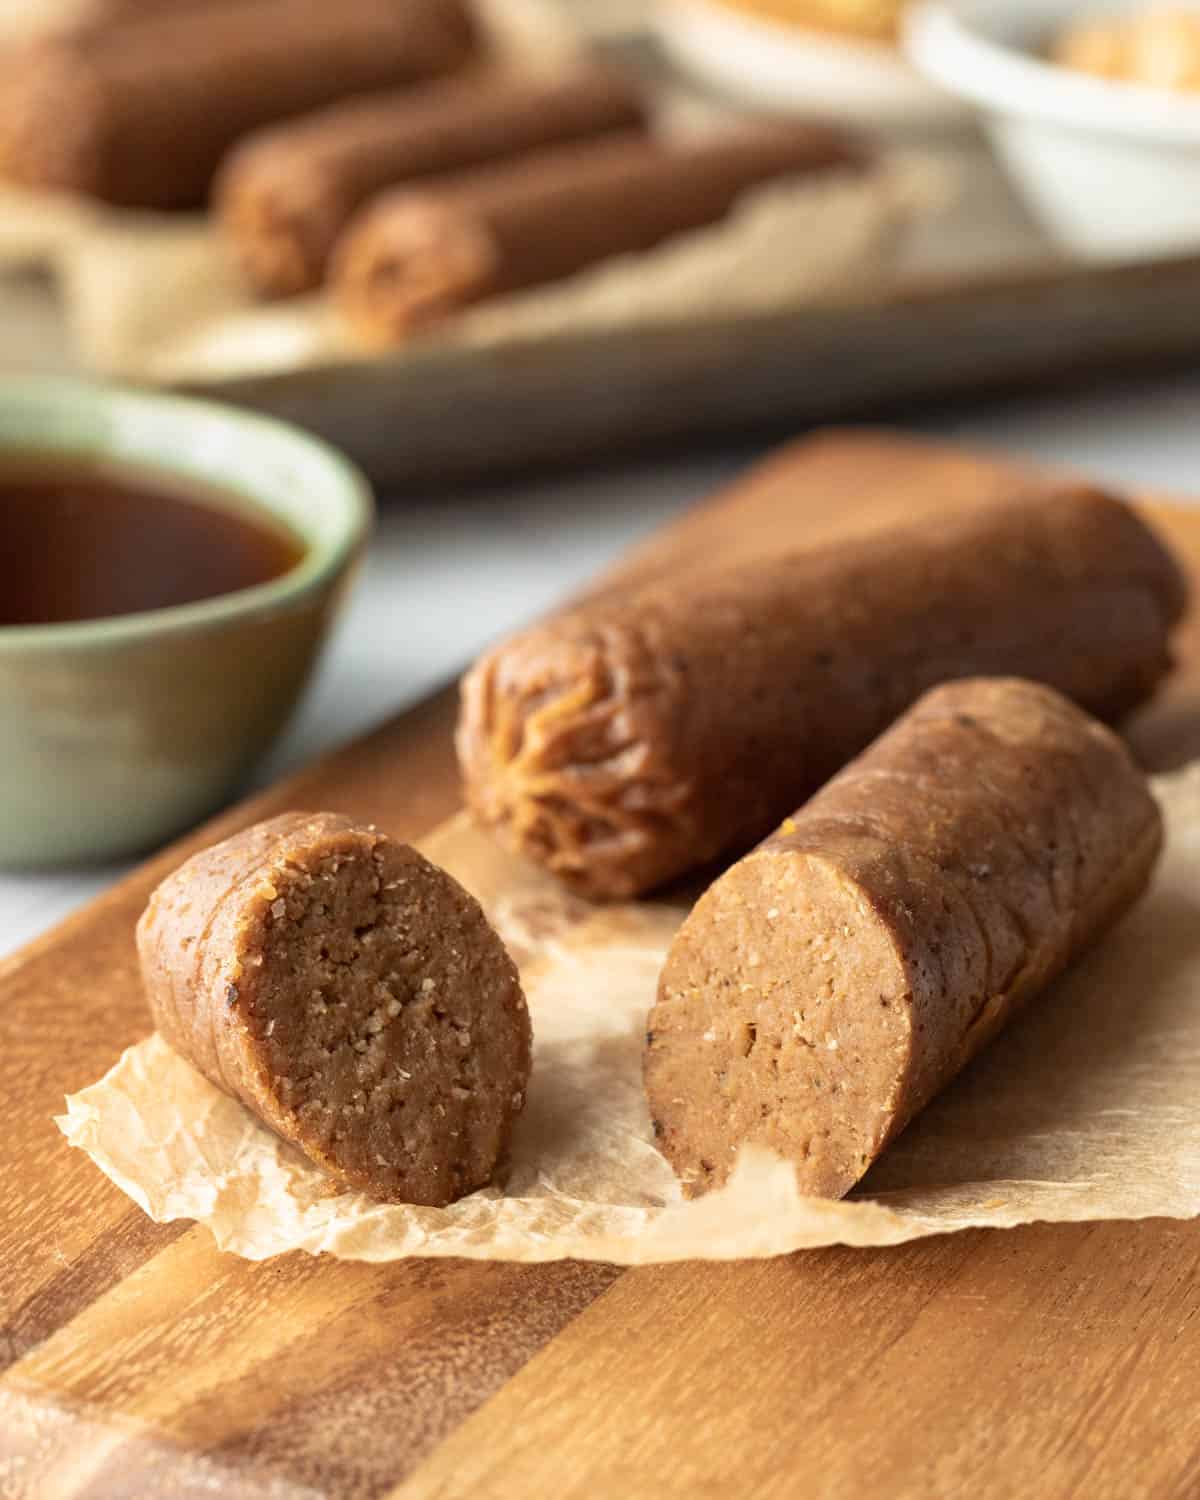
(569, 399)
(977, 300)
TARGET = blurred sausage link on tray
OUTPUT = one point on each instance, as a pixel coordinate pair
(415, 257)
(286, 193)
(139, 114)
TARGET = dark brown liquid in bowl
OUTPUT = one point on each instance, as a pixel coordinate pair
(83, 545)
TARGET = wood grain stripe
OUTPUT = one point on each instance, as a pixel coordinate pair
(929, 1370)
(109, 1257)
(286, 1370)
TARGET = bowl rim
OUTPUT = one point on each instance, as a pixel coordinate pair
(945, 41)
(323, 561)
(797, 70)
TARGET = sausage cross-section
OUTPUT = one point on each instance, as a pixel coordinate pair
(652, 730)
(828, 985)
(349, 993)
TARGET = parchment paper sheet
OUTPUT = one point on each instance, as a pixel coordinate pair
(1086, 1108)
(157, 297)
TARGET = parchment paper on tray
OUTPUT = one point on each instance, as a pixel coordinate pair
(1084, 1109)
(162, 300)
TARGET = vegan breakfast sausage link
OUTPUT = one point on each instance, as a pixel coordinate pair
(630, 740)
(349, 993)
(286, 193)
(828, 985)
(140, 113)
(414, 257)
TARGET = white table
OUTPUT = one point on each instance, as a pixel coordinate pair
(449, 572)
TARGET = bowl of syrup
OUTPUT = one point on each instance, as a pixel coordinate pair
(169, 570)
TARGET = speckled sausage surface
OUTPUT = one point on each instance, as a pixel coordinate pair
(625, 742)
(352, 995)
(414, 257)
(140, 113)
(830, 983)
(286, 193)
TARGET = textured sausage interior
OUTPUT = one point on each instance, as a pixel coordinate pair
(377, 1017)
(764, 1033)
(899, 920)
(353, 995)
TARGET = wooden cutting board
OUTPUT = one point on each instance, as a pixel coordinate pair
(141, 1362)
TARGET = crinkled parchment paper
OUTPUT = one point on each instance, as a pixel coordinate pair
(1084, 1109)
(157, 297)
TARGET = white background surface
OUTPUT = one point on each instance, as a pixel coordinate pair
(447, 572)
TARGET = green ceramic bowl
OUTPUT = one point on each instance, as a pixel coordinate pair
(117, 733)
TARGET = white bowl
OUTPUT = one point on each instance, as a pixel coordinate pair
(1111, 169)
(777, 66)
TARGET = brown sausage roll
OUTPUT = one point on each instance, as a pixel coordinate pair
(649, 732)
(287, 193)
(349, 993)
(140, 113)
(827, 986)
(412, 257)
